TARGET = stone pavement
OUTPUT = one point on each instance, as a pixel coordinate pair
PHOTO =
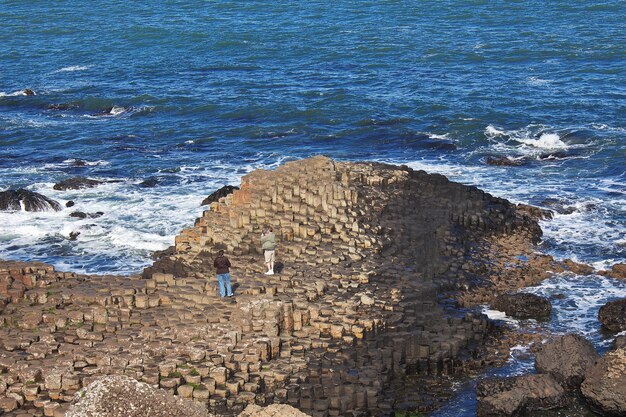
(370, 258)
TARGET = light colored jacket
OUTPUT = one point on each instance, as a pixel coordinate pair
(268, 241)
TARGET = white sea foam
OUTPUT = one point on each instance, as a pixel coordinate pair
(492, 131)
(73, 68)
(545, 141)
(13, 94)
(537, 81)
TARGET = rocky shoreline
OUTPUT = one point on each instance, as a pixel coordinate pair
(380, 268)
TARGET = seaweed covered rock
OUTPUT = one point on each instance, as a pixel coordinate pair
(605, 383)
(612, 315)
(509, 396)
(523, 306)
(567, 358)
(121, 396)
(16, 200)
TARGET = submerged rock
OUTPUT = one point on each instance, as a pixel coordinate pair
(523, 306)
(149, 183)
(14, 200)
(612, 315)
(121, 396)
(567, 358)
(605, 383)
(29, 92)
(509, 396)
(215, 196)
(505, 161)
(76, 183)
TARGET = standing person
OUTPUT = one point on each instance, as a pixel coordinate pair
(268, 244)
(222, 266)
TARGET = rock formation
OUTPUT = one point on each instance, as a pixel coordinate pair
(523, 306)
(605, 383)
(16, 200)
(612, 315)
(567, 359)
(76, 183)
(367, 249)
(499, 397)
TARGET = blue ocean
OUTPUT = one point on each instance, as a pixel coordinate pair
(168, 102)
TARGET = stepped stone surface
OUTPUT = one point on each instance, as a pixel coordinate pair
(369, 257)
(274, 410)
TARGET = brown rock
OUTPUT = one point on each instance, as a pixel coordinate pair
(605, 383)
(612, 315)
(567, 358)
(523, 305)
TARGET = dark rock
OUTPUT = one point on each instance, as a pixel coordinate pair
(222, 192)
(605, 383)
(149, 183)
(13, 200)
(76, 183)
(61, 106)
(619, 342)
(78, 215)
(73, 235)
(29, 92)
(505, 161)
(612, 315)
(553, 155)
(567, 358)
(510, 396)
(82, 215)
(558, 296)
(69, 204)
(534, 212)
(523, 305)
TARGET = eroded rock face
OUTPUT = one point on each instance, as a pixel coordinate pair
(215, 196)
(508, 396)
(523, 306)
(619, 342)
(14, 200)
(76, 183)
(567, 359)
(121, 396)
(612, 315)
(605, 383)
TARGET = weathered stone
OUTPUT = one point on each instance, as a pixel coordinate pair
(612, 315)
(567, 358)
(605, 383)
(22, 199)
(523, 305)
(76, 183)
(509, 396)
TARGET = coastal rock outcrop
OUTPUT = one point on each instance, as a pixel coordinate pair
(567, 358)
(76, 183)
(617, 271)
(605, 383)
(215, 196)
(612, 315)
(368, 250)
(16, 200)
(619, 342)
(122, 396)
(509, 396)
(523, 305)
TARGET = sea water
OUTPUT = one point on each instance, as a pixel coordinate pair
(193, 95)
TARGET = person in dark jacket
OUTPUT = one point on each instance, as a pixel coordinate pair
(222, 267)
